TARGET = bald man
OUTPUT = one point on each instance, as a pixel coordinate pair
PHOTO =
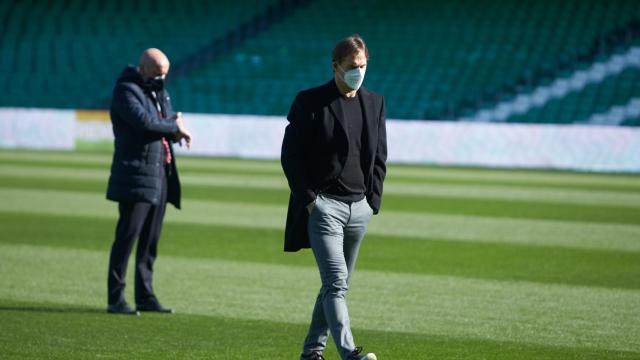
(143, 176)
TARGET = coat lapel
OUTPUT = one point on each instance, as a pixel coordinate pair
(368, 120)
(335, 107)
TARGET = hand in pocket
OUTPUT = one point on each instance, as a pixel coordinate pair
(311, 206)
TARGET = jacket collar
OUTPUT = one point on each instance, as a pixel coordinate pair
(366, 103)
(336, 107)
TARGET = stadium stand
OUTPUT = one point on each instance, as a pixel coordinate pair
(595, 98)
(66, 54)
(454, 60)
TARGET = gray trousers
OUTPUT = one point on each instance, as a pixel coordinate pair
(336, 230)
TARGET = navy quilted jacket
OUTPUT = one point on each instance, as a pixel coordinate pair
(138, 150)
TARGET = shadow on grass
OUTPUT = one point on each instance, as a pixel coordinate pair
(52, 309)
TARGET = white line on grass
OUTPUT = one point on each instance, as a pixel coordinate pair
(569, 234)
(524, 312)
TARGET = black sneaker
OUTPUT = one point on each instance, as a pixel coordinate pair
(314, 355)
(357, 355)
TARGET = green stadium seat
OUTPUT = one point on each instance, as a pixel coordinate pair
(427, 57)
(83, 45)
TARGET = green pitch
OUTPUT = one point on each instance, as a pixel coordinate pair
(460, 264)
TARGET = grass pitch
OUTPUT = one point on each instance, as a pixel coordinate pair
(460, 264)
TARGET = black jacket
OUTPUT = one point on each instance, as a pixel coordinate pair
(138, 149)
(315, 148)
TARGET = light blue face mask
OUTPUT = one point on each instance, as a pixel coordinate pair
(354, 77)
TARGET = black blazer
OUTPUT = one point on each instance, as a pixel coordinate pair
(138, 150)
(315, 149)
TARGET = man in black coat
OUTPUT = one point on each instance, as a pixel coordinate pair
(143, 176)
(334, 155)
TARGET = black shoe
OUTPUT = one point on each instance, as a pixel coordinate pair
(121, 308)
(357, 355)
(153, 305)
(314, 355)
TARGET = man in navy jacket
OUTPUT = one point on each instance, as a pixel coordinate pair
(143, 176)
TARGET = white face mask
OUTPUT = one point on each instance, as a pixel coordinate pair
(354, 77)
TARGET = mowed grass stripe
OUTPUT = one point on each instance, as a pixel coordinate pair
(396, 172)
(609, 269)
(403, 170)
(49, 330)
(520, 312)
(403, 224)
(423, 204)
(595, 207)
(474, 192)
(94, 159)
(522, 176)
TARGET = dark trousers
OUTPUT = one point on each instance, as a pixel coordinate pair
(142, 221)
